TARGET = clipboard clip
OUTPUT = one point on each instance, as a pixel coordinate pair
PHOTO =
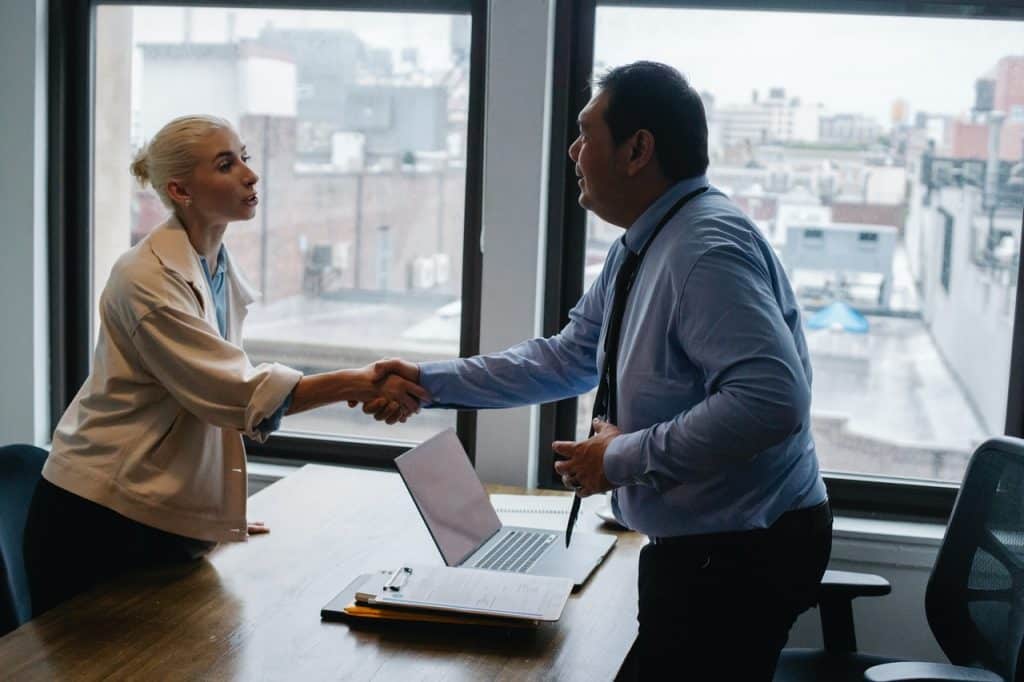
(396, 581)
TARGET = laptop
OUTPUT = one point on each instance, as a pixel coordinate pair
(460, 517)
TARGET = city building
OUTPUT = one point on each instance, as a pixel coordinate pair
(775, 118)
(849, 129)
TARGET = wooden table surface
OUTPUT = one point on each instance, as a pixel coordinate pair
(251, 610)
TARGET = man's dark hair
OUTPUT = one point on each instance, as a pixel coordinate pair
(656, 97)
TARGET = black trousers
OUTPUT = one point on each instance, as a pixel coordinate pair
(720, 606)
(72, 544)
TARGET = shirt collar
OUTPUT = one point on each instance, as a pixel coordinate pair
(219, 269)
(640, 231)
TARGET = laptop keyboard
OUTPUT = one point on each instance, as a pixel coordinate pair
(517, 552)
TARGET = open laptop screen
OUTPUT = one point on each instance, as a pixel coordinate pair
(449, 495)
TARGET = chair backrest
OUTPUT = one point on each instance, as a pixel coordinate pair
(20, 468)
(975, 595)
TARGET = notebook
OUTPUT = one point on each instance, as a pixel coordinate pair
(466, 529)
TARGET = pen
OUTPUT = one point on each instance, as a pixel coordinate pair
(574, 511)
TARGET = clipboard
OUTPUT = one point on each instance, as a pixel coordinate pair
(469, 591)
(344, 607)
(452, 594)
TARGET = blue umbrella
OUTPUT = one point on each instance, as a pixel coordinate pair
(838, 315)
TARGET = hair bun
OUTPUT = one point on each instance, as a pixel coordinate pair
(140, 166)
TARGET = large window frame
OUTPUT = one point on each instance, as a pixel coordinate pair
(571, 79)
(71, 88)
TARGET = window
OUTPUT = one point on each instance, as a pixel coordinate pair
(847, 153)
(362, 126)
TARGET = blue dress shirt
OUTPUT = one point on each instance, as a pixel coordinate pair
(714, 378)
(219, 292)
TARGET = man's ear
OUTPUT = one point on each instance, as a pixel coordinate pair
(641, 151)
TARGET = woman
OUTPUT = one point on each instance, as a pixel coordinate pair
(147, 463)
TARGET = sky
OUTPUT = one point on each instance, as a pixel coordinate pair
(851, 63)
(429, 33)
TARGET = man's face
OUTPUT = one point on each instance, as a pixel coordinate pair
(594, 154)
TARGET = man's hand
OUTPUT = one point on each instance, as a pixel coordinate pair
(583, 466)
(257, 528)
(398, 383)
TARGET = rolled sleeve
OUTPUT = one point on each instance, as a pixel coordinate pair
(273, 422)
(209, 376)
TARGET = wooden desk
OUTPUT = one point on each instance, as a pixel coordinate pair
(251, 611)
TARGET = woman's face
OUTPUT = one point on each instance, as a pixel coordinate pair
(222, 187)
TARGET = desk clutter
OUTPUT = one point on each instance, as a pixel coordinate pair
(447, 594)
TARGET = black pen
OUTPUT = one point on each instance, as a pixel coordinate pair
(574, 511)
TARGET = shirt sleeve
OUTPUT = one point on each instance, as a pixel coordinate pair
(539, 370)
(209, 376)
(758, 393)
(273, 422)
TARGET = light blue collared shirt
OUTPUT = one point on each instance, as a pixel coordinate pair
(714, 377)
(218, 289)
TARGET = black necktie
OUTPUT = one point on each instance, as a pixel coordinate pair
(605, 407)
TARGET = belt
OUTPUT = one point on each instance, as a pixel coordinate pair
(808, 519)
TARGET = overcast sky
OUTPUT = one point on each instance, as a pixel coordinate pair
(428, 33)
(851, 63)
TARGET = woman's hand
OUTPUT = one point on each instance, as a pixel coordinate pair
(398, 393)
(377, 382)
(395, 393)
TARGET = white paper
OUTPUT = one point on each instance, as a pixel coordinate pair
(493, 593)
(547, 512)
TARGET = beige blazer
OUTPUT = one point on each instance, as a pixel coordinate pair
(155, 433)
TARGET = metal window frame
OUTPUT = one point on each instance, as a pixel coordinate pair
(71, 74)
(572, 67)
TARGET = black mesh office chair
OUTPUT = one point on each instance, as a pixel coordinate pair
(20, 469)
(975, 596)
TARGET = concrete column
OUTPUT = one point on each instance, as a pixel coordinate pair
(24, 360)
(519, 40)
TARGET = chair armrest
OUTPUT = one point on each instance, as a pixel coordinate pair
(848, 585)
(928, 672)
(835, 601)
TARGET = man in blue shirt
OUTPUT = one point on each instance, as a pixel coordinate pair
(710, 450)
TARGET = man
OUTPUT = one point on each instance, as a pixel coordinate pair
(709, 451)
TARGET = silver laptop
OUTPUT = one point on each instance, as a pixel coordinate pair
(461, 519)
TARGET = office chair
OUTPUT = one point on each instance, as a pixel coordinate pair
(20, 469)
(974, 601)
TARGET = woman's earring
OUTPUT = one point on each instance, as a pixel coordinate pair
(188, 201)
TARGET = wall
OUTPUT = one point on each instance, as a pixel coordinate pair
(24, 414)
(894, 625)
(213, 82)
(113, 184)
(977, 311)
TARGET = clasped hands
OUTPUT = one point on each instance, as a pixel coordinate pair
(393, 393)
(582, 468)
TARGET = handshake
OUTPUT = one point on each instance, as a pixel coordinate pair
(390, 390)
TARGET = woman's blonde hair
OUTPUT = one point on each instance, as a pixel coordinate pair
(169, 154)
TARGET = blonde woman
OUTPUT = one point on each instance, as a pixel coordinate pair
(147, 463)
